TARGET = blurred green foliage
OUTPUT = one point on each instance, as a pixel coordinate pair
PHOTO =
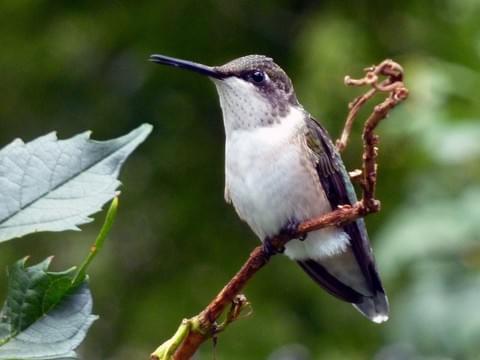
(72, 66)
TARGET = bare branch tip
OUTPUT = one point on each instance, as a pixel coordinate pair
(340, 145)
(401, 93)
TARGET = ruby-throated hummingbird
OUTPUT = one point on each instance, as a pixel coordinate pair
(282, 168)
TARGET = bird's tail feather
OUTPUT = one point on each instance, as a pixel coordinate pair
(374, 307)
(371, 302)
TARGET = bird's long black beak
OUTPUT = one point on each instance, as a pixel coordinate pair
(189, 65)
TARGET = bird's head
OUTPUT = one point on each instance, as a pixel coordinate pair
(254, 91)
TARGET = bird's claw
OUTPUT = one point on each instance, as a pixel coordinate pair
(291, 230)
(269, 249)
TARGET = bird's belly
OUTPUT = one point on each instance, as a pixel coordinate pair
(273, 182)
(267, 194)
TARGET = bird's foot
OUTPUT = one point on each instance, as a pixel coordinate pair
(290, 229)
(269, 249)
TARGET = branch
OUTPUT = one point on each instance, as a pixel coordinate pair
(392, 84)
(193, 332)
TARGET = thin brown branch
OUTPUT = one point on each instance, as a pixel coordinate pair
(354, 108)
(238, 306)
(393, 82)
(257, 259)
(198, 329)
(397, 92)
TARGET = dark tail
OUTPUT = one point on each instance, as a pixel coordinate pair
(345, 280)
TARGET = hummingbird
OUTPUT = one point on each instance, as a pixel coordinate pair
(281, 168)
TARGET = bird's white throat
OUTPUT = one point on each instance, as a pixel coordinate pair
(243, 105)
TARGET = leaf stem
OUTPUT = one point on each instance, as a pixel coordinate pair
(99, 241)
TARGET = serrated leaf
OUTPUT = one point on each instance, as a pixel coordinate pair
(43, 316)
(55, 185)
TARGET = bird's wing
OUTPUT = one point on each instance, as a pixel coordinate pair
(339, 191)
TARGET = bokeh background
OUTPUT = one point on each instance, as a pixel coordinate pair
(72, 66)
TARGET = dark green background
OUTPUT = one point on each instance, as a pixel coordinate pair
(71, 66)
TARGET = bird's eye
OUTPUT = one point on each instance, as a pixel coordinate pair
(257, 76)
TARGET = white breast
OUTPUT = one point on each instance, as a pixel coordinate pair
(271, 179)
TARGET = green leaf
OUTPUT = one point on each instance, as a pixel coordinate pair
(44, 316)
(47, 314)
(55, 185)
